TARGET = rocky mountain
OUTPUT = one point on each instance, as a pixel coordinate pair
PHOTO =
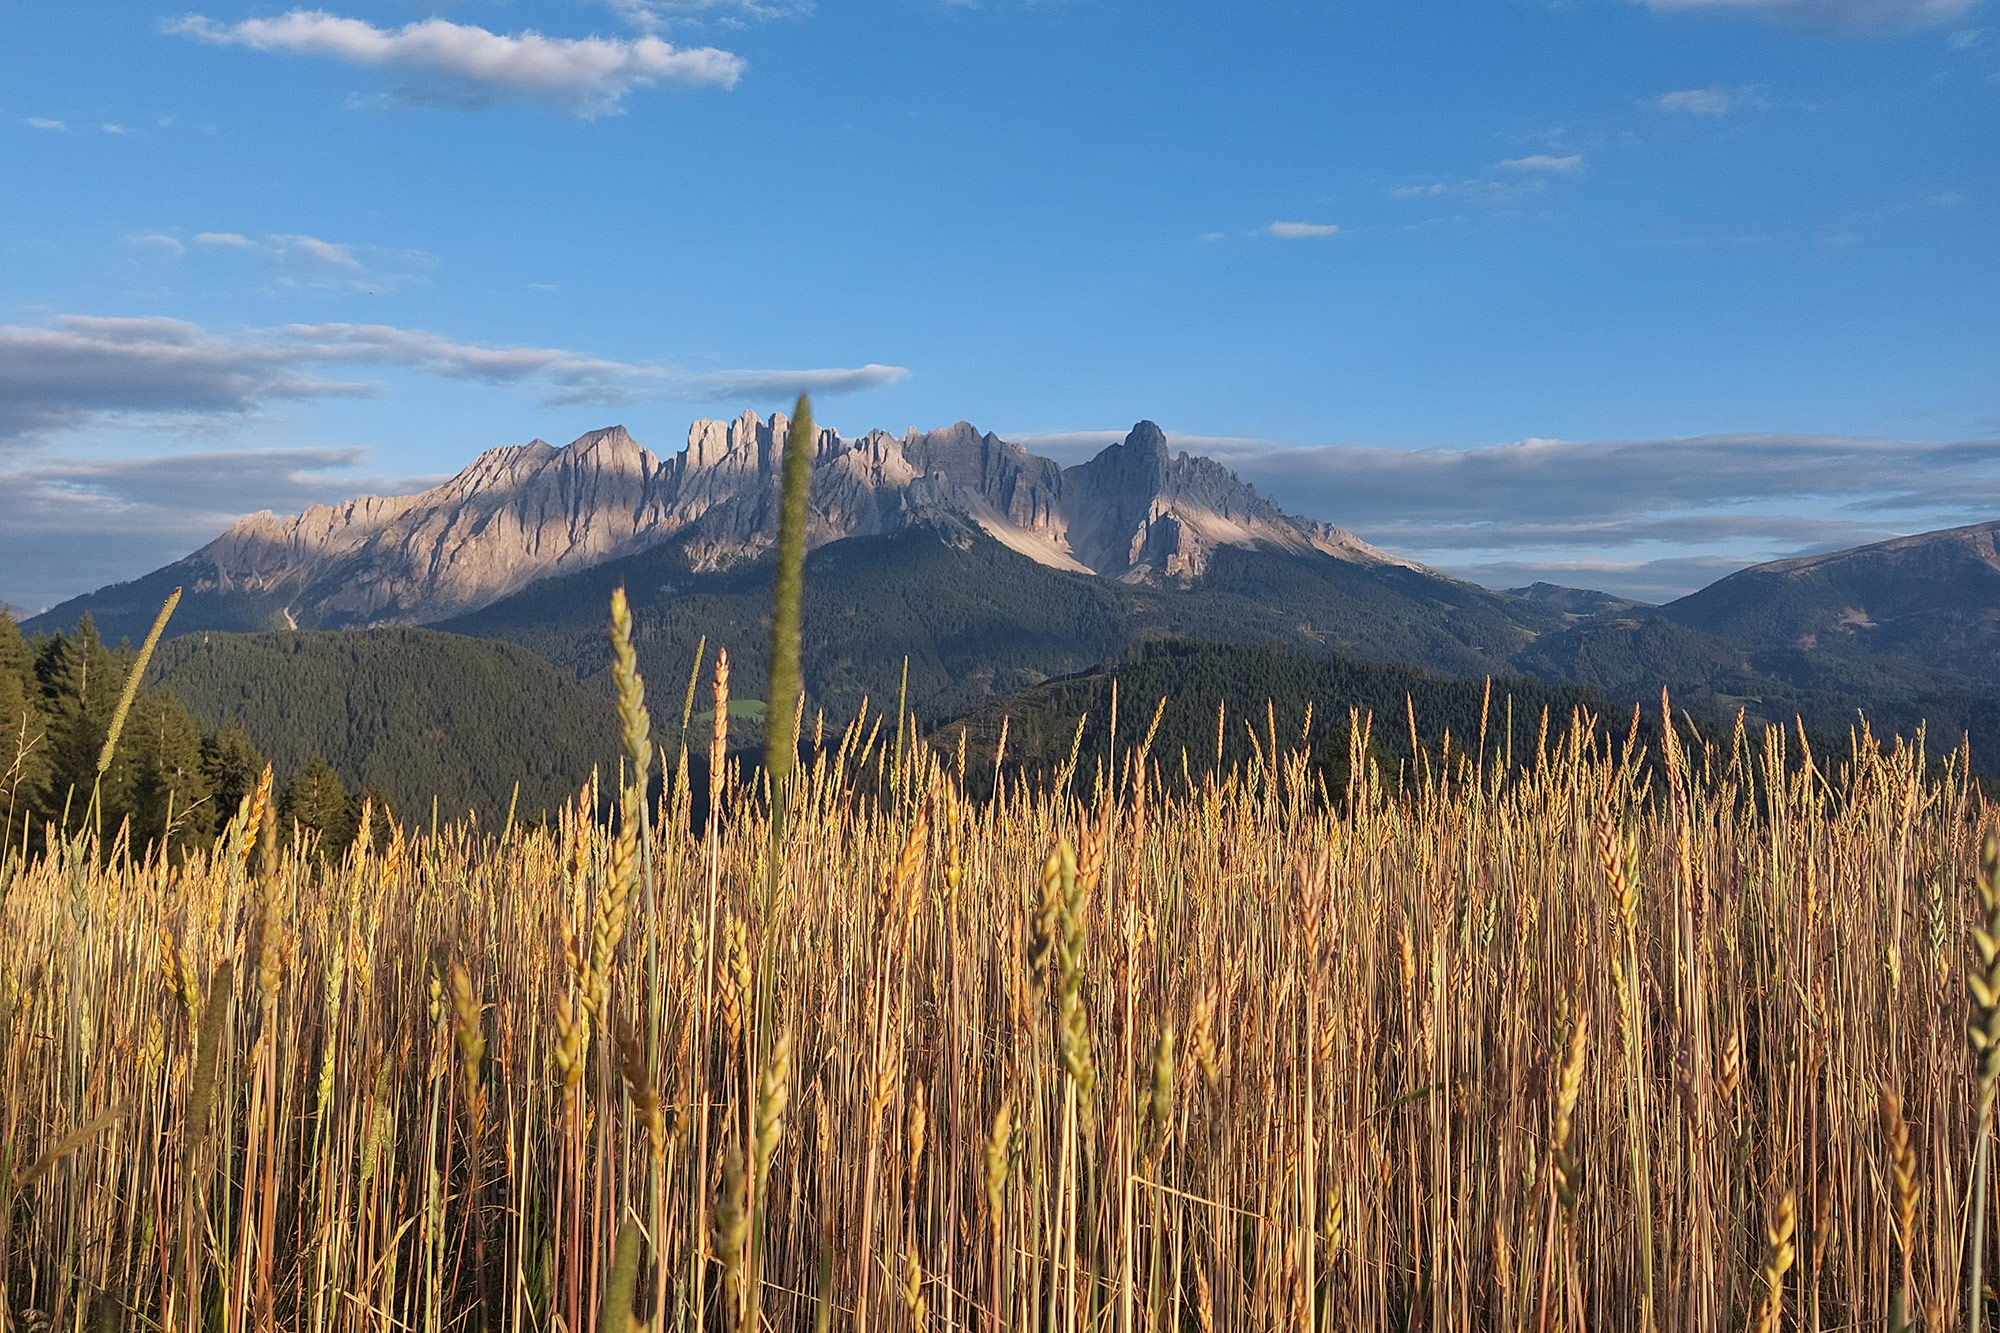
(1135, 513)
(988, 568)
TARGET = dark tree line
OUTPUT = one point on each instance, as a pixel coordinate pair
(175, 783)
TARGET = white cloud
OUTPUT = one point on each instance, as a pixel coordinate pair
(44, 123)
(1548, 162)
(326, 252)
(80, 368)
(235, 240)
(159, 243)
(1696, 101)
(1853, 15)
(113, 128)
(455, 62)
(1302, 231)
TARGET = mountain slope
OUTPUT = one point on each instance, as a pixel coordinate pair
(1926, 606)
(1863, 627)
(975, 617)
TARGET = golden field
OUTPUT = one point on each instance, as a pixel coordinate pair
(1671, 1041)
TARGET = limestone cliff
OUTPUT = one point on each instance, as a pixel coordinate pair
(1135, 512)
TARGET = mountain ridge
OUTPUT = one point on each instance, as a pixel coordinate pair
(1135, 513)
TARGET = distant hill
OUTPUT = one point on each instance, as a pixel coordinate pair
(411, 712)
(1903, 631)
(1898, 618)
(1577, 601)
(1926, 608)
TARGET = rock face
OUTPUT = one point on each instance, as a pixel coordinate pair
(1135, 513)
(514, 515)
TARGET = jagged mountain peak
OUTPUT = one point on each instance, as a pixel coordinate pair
(615, 441)
(1134, 512)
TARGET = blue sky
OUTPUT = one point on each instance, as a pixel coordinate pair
(1624, 293)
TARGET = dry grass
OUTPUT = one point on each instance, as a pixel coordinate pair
(1582, 1046)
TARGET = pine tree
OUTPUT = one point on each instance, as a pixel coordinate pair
(230, 766)
(21, 734)
(157, 777)
(172, 803)
(317, 802)
(79, 683)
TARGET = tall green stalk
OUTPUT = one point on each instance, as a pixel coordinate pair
(781, 739)
(1984, 1034)
(118, 714)
(787, 610)
(781, 745)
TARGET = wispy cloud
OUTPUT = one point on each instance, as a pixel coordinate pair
(1745, 497)
(1566, 165)
(80, 368)
(158, 243)
(572, 377)
(1566, 482)
(654, 15)
(44, 123)
(1851, 15)
(304, 263)
(71, 525)
(1696, 101)
(1522, 180)
(438, 61)
(112, 127)
(1302, 231)
(1853, 228)
(1502, 196)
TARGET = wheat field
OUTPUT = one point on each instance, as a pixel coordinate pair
(1669, 1040)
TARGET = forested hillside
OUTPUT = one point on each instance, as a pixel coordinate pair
(974, 620)
(412, 714)
(1262, 692)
